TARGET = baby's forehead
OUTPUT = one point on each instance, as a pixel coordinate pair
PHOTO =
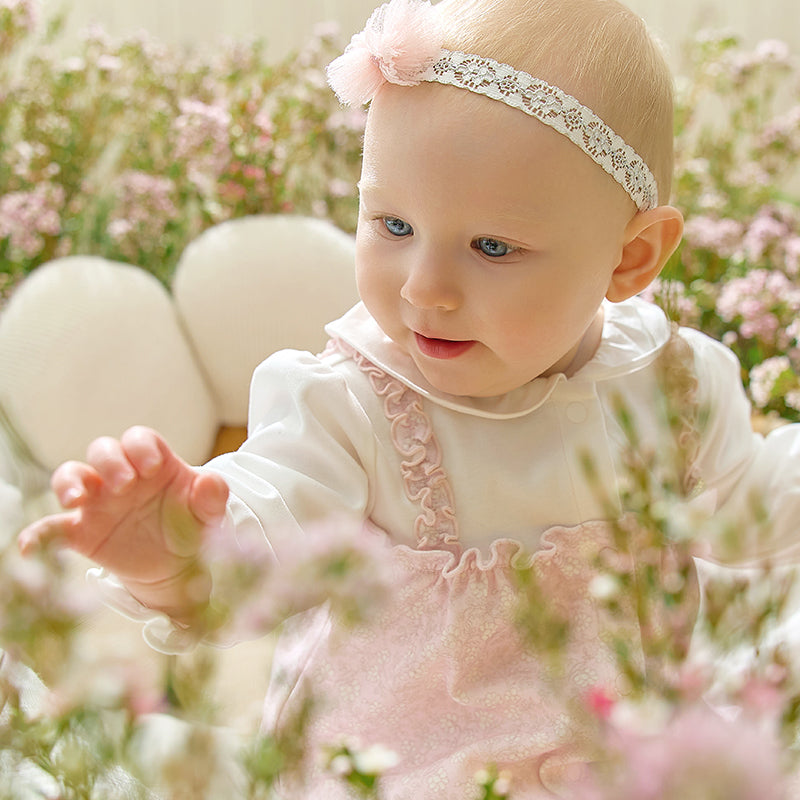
(432, 146)
(434, 120)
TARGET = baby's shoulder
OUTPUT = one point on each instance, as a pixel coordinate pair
(709, 353)
(331, 379)
(718, 373)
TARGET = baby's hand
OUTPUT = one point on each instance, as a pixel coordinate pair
(140, 511)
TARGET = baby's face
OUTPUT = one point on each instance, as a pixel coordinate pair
(486, 241)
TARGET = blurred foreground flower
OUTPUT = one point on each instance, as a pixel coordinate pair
(695, 754)
(360, 767)
(340, 563)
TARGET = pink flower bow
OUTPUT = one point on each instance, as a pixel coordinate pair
(401, 40)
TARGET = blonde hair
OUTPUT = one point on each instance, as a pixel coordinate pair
(599, 51)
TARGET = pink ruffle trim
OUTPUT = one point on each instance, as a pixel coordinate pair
(426, 482)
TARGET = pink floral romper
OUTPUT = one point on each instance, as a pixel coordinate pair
(442, 676)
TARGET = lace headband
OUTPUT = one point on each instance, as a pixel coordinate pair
(401, 44)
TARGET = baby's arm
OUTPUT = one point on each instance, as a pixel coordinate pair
(140, 511)
(754, 480)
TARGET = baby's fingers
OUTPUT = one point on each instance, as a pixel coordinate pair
(208, 497)
(108, 458)
(145, 450)
(74, 482)
(54, 529)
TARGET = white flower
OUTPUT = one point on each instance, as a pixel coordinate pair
(375, 760)
(647, 717)
(340, 765)
(603, 587)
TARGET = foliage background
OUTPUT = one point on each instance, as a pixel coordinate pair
(129, 148)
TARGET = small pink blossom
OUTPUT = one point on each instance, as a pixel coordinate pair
(340, 188)
(792, 399)
(772, 51)
(145, 205)
(791, 250)
(27, 217)
(21, 16)
(764, 378)
(326, 30)
(202, 140)
(264, 123)
(764, 232)
(106, 62)
(722, 236)
(783, 130)
(600, 702)
(697, 754)
(339, 562)
(762, 698)
(762, 303)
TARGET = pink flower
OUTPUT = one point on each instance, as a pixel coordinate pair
(698, 754)
(20, 15)
(762, 302)
(25, 217)
(772, 51)
(763, 698)
(203, 141)
(401, 40)
(339, 562)
(782, 131)
(144, 207)
(764, 378)
(721, 236)
(340, 188)
(763, 232)
(600, 702)
(792, 254)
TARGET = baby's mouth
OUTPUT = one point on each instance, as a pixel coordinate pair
(442, 348)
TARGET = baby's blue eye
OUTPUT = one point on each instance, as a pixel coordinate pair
(397, 227)
(493, 248)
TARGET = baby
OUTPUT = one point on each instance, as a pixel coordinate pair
(516, 171)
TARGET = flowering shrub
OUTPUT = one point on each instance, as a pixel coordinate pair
(85, 170)
(737, 273)
(129, 149)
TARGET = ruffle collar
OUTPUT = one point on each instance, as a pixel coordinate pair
(634, 332)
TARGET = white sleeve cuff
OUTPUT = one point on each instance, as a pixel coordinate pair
(160, 631)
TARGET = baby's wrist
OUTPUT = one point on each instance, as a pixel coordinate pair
(183, 597)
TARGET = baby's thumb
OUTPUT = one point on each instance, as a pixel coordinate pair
(208, 497)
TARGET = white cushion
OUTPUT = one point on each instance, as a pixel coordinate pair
(250, 286)
(89, 347)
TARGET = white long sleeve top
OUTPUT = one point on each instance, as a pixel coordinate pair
(322, 444)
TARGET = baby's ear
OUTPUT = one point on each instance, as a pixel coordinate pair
(650, 239)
